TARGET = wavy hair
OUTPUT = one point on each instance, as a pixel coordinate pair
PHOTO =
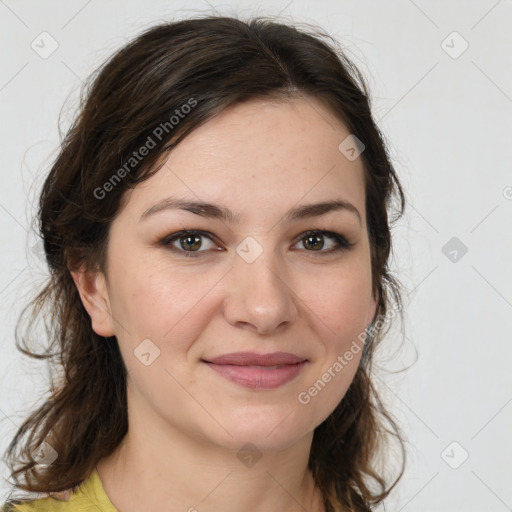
(209, 63)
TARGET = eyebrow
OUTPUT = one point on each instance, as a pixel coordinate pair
(220, 212)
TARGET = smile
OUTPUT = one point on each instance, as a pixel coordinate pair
(255, 371)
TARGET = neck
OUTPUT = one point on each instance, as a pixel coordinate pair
(147, 471)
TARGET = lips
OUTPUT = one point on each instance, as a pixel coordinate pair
(257, 371)
(252, 359)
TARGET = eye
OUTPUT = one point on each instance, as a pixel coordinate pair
(314, 240)
(190, 242)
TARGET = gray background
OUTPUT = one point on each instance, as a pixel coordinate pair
(446, 110)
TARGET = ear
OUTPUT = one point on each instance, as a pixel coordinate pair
(92, 288)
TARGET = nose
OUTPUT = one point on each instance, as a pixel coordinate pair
(260, 295)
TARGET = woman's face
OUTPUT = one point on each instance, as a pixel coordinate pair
(253, 282)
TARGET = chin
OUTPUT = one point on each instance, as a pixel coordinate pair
(266, 430)
(258, 442)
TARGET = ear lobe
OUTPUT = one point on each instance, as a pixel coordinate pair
(92, 288)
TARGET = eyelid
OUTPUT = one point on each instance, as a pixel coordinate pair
(167, 240)
(339, 238)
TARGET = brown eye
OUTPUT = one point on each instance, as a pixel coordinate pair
(314, 241)
(190, 242)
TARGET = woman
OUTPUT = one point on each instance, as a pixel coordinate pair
(217, 229)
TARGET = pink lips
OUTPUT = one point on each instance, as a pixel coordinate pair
(258, 371)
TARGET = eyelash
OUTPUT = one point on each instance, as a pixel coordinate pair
(343, 243)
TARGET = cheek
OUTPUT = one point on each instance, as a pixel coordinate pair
(340, 301)
(166, 305)
(341, 312)
(341, 305)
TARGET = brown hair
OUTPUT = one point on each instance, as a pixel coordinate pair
(209, 63)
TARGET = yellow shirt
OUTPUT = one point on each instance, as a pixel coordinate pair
(89, 497)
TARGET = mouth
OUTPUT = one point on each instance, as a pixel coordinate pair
(258, 371)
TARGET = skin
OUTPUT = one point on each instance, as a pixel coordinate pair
(186, 422)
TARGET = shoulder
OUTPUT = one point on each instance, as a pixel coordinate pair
(9, 506)
(89, 496)
(38, 505)
(65, 501)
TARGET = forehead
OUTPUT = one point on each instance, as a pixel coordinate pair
(260, 154)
